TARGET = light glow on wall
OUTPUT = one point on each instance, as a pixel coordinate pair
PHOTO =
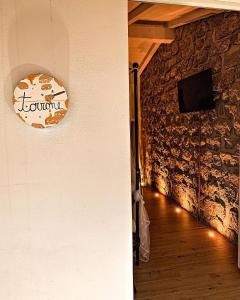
(211, 234)
(163, 184)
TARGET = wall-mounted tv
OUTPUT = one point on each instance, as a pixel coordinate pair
(195, 93)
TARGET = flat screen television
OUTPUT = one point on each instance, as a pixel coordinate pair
(195, 93)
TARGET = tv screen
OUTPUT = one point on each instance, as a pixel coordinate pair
(195, 93)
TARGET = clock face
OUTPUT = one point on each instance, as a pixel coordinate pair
(40, 100)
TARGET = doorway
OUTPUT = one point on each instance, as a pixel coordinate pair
(165, 166)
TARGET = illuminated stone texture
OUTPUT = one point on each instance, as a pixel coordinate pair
(194, 157)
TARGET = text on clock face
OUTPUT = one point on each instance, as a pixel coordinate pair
(38, 105)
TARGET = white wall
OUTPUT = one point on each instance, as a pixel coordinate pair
(65, 207)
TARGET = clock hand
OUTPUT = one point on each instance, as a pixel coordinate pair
(59, 93)
(50, 97)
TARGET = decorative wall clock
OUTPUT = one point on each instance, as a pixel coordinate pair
(40, 100)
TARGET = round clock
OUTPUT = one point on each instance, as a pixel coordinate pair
(40, 100)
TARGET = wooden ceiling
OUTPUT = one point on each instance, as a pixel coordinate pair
(153, 24)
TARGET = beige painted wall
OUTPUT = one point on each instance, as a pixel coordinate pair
(65, 207)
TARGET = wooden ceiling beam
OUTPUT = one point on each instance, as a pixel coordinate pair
(132, 5)
(156, 33)
(136, 14)
(148, 57)
(216, 4)
(192, 16)
(180, 12)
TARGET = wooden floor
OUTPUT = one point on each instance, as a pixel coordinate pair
(186, 261)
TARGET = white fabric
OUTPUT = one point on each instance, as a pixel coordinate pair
(143, 227)
(137, 196)
(144, 233)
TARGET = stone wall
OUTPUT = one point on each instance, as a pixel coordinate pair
(193, 157)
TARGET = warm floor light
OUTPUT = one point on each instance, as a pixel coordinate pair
(211, 234)
(178, 210)
(156, 195)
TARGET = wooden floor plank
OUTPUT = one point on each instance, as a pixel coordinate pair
(186, 262)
